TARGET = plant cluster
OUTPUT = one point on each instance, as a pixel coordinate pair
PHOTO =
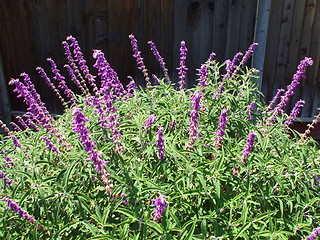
(161, 162)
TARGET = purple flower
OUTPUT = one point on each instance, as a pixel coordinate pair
(108, 76)
(15, 207)
(82, 62)
(15, 127)
(8, 162)
(78, 123)
(35, 106)
(49, 144)
(182, 68)
(222, 127)
(231, 65)
(249, 145)
(131, 87)
(251, 108)
(203, 75)
(248, 53)
(29, 121)
(139, 59)
(6, 180)
(245, 58)
(193, 129)
(51, 85)
(161, 204)
(294, 112)
(211, 57)
(61, 79)
(74, 71)
(172, 124)
(275, 99)
(13, 137)
(22, 122)
(150, 120)
(126, 201)
(160, 144)
(116, 136)
(155, 79)
(314, 235)
(290, 89)
(160, 60)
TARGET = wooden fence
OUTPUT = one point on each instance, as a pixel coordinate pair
(32, 31)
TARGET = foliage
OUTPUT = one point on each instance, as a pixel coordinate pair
(214, 182)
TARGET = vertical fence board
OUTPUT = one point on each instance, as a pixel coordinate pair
(308, 86)
(272, 45)
(233, 28)
(295, 40)
(219, 35)
(282, 61)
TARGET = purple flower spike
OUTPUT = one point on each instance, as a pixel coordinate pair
(81, 61)
(49, 144)
(139, 59)
(150, 120)
(203, 75)
(108, 76)
(15, 127)
(78, 123)
(314, 235)
(248, 147)
(61, 79)
(51, 85)
(294, 112)
(248, 53)
(15, 207)
(231, 65)
(161, 204)
(301, 69)
(275, 99)
(222, 127)
(160, 60)
(6, 180)
(13, 137)
(193, 129)
(22, 122)
(251, 108)
(160, 144)
(182, 69)
(131, 87)
(211, 57)
(8, 162)
(172, 124)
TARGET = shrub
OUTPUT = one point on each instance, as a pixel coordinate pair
(161, 162)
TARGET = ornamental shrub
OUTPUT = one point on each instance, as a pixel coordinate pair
(161, 162)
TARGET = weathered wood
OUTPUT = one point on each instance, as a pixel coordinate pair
(280, 80)
(295, 40)
(272, 49)
(308, 85)
(219, 33)
(263, 13)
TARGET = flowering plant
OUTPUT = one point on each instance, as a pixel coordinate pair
(161, 162)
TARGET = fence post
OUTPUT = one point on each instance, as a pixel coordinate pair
(5, 112)
(261, 32)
